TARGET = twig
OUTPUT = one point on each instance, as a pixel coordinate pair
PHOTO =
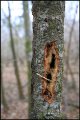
(43, 77)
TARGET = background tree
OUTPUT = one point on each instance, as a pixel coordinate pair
(48, 22)
(27, 44)
(14, 57)
(27, 35)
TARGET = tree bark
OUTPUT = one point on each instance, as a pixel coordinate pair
(48, 22)
(14, 57)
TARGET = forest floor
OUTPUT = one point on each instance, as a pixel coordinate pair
(71, 90)
(18, 109)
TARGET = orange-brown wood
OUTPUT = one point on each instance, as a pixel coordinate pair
(51, 68)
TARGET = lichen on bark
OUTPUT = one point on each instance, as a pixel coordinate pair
(48, 22)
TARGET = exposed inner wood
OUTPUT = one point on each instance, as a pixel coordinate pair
(51, 67)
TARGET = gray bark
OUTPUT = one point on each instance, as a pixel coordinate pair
(48, 22)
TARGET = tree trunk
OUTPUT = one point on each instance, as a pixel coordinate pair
(14, 57)
(47, 61)
(27, 34)
(27, 44)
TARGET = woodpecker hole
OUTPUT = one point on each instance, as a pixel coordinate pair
(52, 64)
(49, 77)
(47, 93)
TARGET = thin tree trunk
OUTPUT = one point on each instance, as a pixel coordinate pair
(47, 61)
(14, 57)
(27, 44)
(27, 34)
